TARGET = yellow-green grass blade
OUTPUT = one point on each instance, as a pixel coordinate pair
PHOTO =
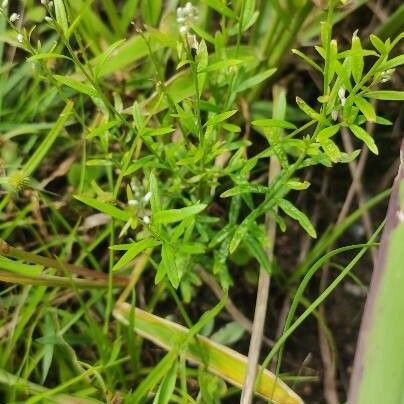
(378, 370)
(218, 359)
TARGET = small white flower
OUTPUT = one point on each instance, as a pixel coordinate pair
(147, 197)
(192, 42)
(20, 38)
(183, 29)
(50, 4)
(133, 202)
(43, 2)
(341, 95)
(48, 19)
(14, 17)
(146, 219)
(334, 114)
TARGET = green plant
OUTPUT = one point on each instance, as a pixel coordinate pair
(164, 162)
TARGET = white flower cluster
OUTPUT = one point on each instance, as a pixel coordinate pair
(186, 16)
(386, 75)
(139, 199)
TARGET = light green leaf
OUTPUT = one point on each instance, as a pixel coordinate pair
(393, 63)
(41, 151)
(134, 250)
(221, 8)
(60, 14)
(298, 215)
(151, 10)
(311, 112)
(167, 386)
(386, 95)
(229, 334)
(215, 119)
(307, 60)
(366, 108)
(20, 268)
(76, 85)
(245, 188)
(328, 132)
(273, 123)
(104, 208)
(168, 261)
(361, 134)
(357, 62)
(331, 150)
(176, 215)
(255, 80)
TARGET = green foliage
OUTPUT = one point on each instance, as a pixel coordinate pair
(155, 137)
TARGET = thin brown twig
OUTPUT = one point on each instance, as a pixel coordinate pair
(261, 303)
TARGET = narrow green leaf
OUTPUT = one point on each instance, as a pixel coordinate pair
(273, 123)
(220, 117)
(357, 62)
(257, 250)
(255, 80)
(307, 60)
(386, 95)
(41, 151)
(378, 44)
(393, 63)
(134, 250)
(151, 10)
(104, 208)
(331, 150)
(298, 215)
(76, 85)
(328, 132)
(243, 189)
(361, 134)
(176, 215)
(221, 8)
(311, 112)
(167, 386)
(168, 260)
(20, 268)
(366, 108)
(60, 14)
(229, 334)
